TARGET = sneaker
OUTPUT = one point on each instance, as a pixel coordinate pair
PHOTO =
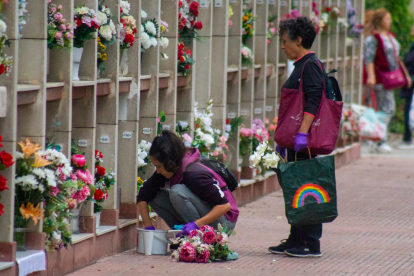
(405, 145)
(282, 247)
(384, 148)
(303, 252)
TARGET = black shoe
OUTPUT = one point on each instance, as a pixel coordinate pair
(303, 252)
(284, 245)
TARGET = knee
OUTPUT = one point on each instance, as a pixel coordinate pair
(178, 190)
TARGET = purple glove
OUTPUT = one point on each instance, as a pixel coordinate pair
(301, 141)
(185, 231)
(150, 228)
(281, 151)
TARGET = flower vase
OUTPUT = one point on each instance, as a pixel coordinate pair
(98, 219)
(20, 238)
(74, 220)
(77, 56)
(123, 63)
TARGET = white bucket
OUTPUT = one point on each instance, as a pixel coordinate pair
(156, 238)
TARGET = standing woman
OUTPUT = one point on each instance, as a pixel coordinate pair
(381, 51)
(297, 36)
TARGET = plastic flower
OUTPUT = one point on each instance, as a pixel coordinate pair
(187, 253)
(28, 148)
(3, 183)
(203, 257)
(30, 211)
(79, 160)
(40, 161)
(1, 209)
(271, 160)
(209, 237)
(206, 228)
(254, 159)
(246, 132)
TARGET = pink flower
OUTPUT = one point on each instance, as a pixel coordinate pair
(246, 132)
(87, 20)
(54, 191)
(58, 34)
(273, 30)
(158, 120)
(230, 23)
(79, 160)
(268, 41)
(73, 177)
(53, 9)
(68, 35)
(83, 194)
(187, 138)
(62, 176)
(203, 257)
(188, 253)
(89, 177)
(82, 175)
(193, 233)
(58, 16)
(223, 139)
(63, 27)
(224, 157)
(59, 7)
(244, 53)
(206, 228)
(69, 27)
(215, 153)
(260, 138)
(209, 237)
(295, 13)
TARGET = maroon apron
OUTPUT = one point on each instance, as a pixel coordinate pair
(324, 130)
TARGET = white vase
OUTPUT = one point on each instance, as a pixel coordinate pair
(123, 64)
(77, 56)
(98, 219)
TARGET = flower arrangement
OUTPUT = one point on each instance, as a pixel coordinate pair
(143, 158)
(355, 28)
(5, 60)
(294, 14)
(128, 28)
(150, 31)
(264, 157)
(246, 140)
(59, 33)
(22, 11)
(184, 59)
(314, 17)
(83, 176)
(187, 20)
(103, 182)
(204, 245)
(247, 55)
(6, 160)
(251, 138)
(247, 25)
(181, 129)
(231, 13)
(86, 23)
(232, 126)
(106, 34)
(271, 29)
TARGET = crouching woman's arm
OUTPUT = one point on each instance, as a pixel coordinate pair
(214, 214)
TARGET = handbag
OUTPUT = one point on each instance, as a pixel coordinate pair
(394, 79)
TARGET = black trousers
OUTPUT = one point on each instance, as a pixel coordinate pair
(304, 234)
(407, 130)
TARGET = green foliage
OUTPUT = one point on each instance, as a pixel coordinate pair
(161, 119)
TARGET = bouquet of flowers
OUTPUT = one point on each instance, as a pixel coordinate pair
(231, 13)
(59, 33)
(184, 59)
(314, 17)
(103, 182)
(143, 158)
(247, 55)
(324, 20)
(83, 176)
(164, 42)
(264, 157)
(271, 127)
(232, 126)
(149, 33)
(6, 160)
(87, 23)
(5, 60)
(246, 140)
(247, 25)
(128, 28)
(106, 34)
(355, 28)
(271, 29)
(250, 138)
(204, 245)
(187, 20)
(294, 14)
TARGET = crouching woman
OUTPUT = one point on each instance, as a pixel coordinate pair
(182, 191)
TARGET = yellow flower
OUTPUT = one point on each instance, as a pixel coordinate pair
(40, 161)
(30, 211)
(162, 28)
(98, 39)
(139, 180)
(245, 18)
(103, 56)
(28, 148)
(230, 12)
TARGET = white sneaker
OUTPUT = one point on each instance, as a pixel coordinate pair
(405, 145)
(384, 148)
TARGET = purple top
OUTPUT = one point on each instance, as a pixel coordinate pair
(201, 180)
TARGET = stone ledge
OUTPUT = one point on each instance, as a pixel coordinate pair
(105, 229)
(126, 222)
(5, 265)
(76, 238)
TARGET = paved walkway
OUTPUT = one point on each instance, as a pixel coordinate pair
(373, 235)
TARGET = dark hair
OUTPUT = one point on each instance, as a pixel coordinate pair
(169, 150)
(300, 27)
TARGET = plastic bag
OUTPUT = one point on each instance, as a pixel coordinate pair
(372, 125)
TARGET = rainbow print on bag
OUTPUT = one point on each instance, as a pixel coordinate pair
(310, 189)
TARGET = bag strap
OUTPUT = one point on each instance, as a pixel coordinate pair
(394, 48)
(324, 79)
(296, 154)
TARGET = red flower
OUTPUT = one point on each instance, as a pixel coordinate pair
(328, 9)
(187, 67)
(3, 183)
(2, 69)
(180, 53)
(1, 139)
(198, 25)
(78, 22)
(194, 7)
(1, 209)
(182, 59)
(227, 121)
(122, 10)
(196, 126)
(129, 38)
(96, 26)
(6, 158)
(134, 31)
(188, 52)
(179, 15)
(181, 46)
(98, 194)
(180, 4)
(100, 170)
(195, 13)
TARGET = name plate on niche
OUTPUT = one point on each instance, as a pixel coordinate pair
(257, 111)
(127, 135)
(203, 4)
(283, 3)
(246, 1)
(271, 2)
(166, 127)
(259, 2)
(104, 139)
(217, 3)
(231, 115)
(295, 3)
(233, 1)
(268, 108)
(243, 112)
(82, 143)
(146, 130)
(305, 3)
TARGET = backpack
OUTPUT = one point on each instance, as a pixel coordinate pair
(222, 171)
(332, 87)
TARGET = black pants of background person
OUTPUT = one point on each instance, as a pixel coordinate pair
(407, 131)
(309, 234)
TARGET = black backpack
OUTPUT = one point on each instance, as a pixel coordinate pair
(332, 87)
(222, 171)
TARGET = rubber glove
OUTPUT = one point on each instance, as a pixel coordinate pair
(178, 226)
(301, 141)
(187, 228)
(150, 228)
(281, 151)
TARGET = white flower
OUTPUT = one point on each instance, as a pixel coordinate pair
(39, 172)
(271, 160)
(3, 26)
(28, 180)
(106, 32)
(183, 124)
(143, 14)
(205, 120)
(217, 131)
(41, 188)
(209, 140)
(261, 148)
(254, 159)
(50, 177)
(153, 41)
(164, 42)
(142, 29)
(226, 135)
(56, 236)
(102, 17)
(126, 6)
(82, 10)
(175, 255)
(19, 155)
(112, 26)
(145, 40)
(150, 27)
(228, 128)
